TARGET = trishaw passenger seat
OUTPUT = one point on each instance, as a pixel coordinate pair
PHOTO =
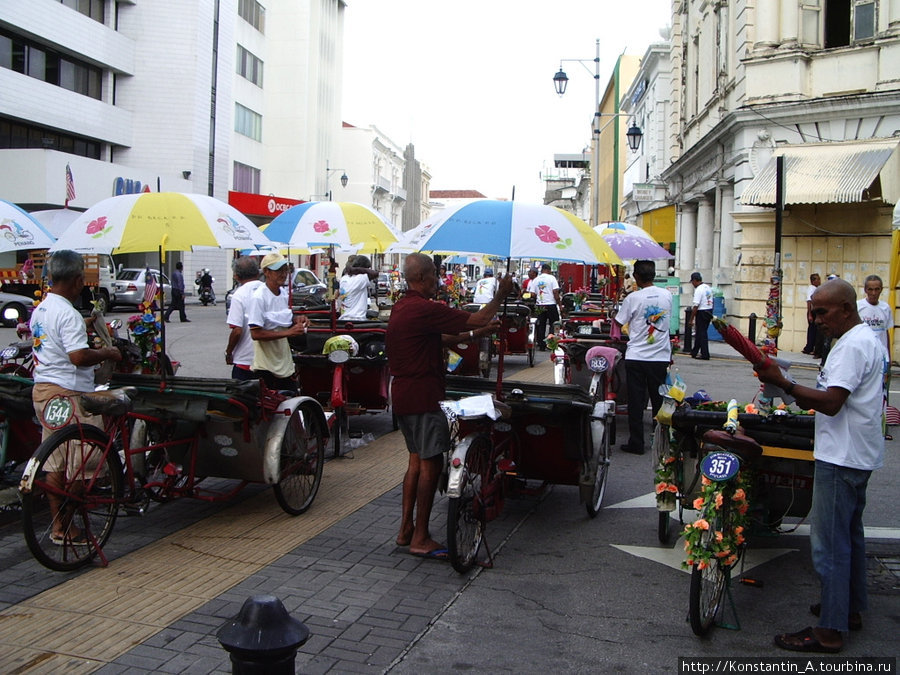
(739, 443)
(113, 402)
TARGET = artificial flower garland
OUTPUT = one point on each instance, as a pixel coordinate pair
(705, 545)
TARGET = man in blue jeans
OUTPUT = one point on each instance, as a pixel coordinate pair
(848, 446)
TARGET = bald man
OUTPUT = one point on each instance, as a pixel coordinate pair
(849, 445)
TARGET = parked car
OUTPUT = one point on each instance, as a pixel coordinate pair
(131, 285)
(14, 309)
(383, 287)
(307, 289)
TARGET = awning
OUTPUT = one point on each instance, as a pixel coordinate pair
(831, 173)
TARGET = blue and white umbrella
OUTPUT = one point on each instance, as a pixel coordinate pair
(19, 231)
(511, 230)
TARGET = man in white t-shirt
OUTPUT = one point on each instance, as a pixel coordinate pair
(874, 312)
(545, 289)
(849, 445)
(647, 313)
(813, 340)
(485, 288)
(64, 366)
(354, 288)
(271, 323)
(701, 316)
(239, 350)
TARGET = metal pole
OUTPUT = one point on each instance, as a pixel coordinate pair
(779, 214)
(595, 140)
(327, 175)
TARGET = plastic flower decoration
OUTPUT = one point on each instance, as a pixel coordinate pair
(145, 330)
(716, 537)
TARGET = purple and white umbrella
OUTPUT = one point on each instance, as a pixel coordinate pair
(631, 242)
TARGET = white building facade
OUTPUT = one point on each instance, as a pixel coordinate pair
(816, 81)
(208, 96)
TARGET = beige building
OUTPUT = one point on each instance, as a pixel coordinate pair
(815, 81)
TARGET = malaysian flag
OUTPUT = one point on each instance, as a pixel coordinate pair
(70, 185)
(151, 288)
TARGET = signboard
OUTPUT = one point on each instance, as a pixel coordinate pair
(261, 205)
(643, 192)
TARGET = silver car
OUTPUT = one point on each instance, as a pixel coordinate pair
(131, 285)
(14, 309)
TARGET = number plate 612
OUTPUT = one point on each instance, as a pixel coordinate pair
(719, 466)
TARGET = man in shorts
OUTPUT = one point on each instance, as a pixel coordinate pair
(239, 349)
(64, 366)
(416, 333)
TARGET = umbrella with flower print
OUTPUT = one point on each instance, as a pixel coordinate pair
(342, 225)
(510, 229)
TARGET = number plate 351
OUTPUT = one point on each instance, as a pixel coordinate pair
(719, 466)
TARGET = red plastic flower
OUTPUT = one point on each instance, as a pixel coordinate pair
(321, 226)
(546, 234)
(96, 225)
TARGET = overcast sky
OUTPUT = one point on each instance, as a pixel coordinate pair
(470, 82)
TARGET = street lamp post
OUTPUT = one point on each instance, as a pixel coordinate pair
(634, 134)
(328, 172)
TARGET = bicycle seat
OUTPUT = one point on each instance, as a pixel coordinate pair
(739, 443)
(113, 402)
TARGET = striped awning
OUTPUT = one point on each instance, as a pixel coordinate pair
(830, 173)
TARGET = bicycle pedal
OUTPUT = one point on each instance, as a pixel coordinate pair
(133, 509)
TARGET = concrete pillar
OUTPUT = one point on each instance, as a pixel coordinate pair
(726, 227)
(687, 238)
(767, 16)
(705, 222)
(790, 17)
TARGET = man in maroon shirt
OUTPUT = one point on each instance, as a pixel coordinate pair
(416, 333)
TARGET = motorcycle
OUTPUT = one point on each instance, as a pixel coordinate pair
(204, 285)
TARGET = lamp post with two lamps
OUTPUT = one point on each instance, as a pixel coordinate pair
(634, 134)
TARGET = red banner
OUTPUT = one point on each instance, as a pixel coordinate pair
(261, 205)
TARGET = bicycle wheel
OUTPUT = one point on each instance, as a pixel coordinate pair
(301, 462)
(340, 431)
(81, 503)
(708, 584)
(465, 514)
(593, 505)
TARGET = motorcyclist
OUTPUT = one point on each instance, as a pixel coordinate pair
(205, 280)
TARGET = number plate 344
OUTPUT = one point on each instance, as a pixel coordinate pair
(720, 466)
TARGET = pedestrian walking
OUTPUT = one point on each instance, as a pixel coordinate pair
(701, 317)
(545, 289)
(177, 301)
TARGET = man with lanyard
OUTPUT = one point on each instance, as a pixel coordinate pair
(271, 323)
(701, 316)
(545, 288)
(647, 313)
(177, 301)
(239, 350)
(416, 333)
(848, 446)
(354, 288)
(485, 288)
(64, 366)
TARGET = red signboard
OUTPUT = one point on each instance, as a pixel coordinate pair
(260, 205)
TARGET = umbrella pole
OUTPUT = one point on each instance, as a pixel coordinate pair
(163, 359)
(502, 344)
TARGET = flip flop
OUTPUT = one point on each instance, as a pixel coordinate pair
(77, 540)
(804, 641)
(435, 554)
(854, 621)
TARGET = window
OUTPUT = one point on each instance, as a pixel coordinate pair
(43, 64)
(249, 66)
(849, 21)
(247, 122)
(17, 135)
(246, 178)
(91, 8)
(253, 13)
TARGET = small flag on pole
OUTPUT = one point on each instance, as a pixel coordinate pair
(151, 289)
(70, 185)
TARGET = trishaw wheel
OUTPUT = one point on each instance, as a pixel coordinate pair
(593, 506)
(80, 503)
(465, 514)
(708, 584)
(301, 460)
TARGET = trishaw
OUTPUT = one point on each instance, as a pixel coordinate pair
(346, 381)
(555, 434)
(161, 437)
(19, 434)
(517, 329)
(743, 479)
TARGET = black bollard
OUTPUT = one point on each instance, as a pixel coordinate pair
(263, 638)
(688, 337)
(751, 331)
